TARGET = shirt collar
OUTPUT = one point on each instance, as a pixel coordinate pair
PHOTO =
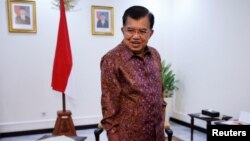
(128, 54)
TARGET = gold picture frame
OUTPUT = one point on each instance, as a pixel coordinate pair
(102, 20)
(22, 16)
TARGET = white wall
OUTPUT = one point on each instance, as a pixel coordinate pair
(205, 40)
(211, 56)
(27, 101)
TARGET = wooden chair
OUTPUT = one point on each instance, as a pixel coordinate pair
(167, 129)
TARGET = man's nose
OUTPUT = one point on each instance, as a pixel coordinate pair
(136, 34)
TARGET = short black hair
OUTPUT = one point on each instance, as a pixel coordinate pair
(137, 12)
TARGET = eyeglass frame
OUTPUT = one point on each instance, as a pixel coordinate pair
(133, 31)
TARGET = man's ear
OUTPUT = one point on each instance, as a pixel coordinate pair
(122, 30)
(152, 32)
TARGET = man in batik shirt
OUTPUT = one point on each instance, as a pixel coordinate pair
(132, 99)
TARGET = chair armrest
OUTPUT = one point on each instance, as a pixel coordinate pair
(168, 131)
(97, 133)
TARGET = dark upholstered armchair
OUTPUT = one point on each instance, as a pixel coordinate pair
(167, 129)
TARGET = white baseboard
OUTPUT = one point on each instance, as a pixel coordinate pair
(44, 124)
(181, 116)
(186, 118)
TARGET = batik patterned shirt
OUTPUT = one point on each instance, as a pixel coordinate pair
(132, 96)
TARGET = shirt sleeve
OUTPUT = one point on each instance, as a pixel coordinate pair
(110, 98)
(164, 103)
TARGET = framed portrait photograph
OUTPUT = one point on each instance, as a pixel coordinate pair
(22, 16)
(102, 20)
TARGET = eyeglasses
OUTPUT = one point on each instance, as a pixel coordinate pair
(133, 31)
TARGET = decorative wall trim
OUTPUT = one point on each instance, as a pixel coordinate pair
(185, 118)
(187, 124)
(42, 131)
(45, 124)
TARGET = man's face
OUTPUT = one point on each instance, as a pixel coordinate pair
(102, 17)
(137, 33)
(22, 12)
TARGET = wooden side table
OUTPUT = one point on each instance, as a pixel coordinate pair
(205, 118)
